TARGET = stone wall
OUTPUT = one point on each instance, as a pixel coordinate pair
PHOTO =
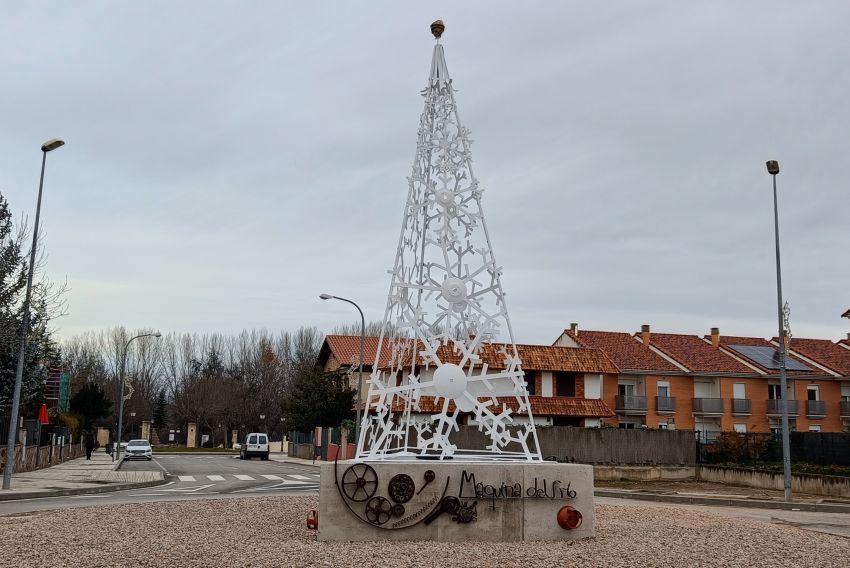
(828, 485)
(31, 458)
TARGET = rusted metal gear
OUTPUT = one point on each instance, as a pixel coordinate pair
(378, 510)
(401, 488)
(359, 482)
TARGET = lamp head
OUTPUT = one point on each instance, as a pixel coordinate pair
(772, 167)
(156, 334)
(325, 296)
(52, 144)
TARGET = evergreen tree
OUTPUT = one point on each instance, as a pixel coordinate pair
(12, 285)
(317, 399)
(159, 410)
(90, 404)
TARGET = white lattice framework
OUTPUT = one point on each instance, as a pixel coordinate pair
(446, 314)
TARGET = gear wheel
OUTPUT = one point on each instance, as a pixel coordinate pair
(401, 488)
(378, 510)
(359, 482)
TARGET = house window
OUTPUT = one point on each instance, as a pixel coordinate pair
(814, 427)
(663, 425)
(664, 389)
(812, 392)
(739, 391)
(625, 390)
(741, 428)
(774, 392)
(627, 425)
(530, 382)
(565, 384)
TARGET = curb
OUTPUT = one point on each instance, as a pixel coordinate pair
(81, 490)
(307, 463)
(716, 502)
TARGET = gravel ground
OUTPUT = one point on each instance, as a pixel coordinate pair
(272, 532)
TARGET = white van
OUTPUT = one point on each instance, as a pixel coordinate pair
(256, 444)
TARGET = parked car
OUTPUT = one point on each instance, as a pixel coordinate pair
(139, 449)
(256, 444)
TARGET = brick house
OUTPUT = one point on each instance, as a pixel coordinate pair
(715, 383)
(564, 384)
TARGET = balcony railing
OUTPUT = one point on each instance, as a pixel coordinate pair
(631, 403)
(815, 408)
(665, 404)
(708, 405)
(742, 406)
(845, 408)
(774, 406)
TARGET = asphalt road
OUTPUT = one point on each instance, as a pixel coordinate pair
(192, 477)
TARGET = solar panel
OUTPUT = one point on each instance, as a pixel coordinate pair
(768, 357)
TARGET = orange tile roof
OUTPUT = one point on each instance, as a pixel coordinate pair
(345, 349)
(729, 340)
(824, 352)
(540, 406)
(624, 350)
(696, 354)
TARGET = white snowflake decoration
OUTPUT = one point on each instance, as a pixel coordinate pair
(445, 308)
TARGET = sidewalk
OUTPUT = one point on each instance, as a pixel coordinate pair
(78, 476)
(719, 495)
(284, 458)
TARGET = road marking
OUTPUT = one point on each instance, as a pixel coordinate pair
(88, 496)
(190, 489)
(302, 477)
(272, 477)
(215, 477)
(243, 477)
(186, 477)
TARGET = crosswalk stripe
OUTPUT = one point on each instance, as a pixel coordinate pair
(243, 477)
(186, 477)
(304, 477)
(272, 477)
(215, 477)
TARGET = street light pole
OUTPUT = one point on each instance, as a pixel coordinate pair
(117, 451)
(360, 365)
(19, 374)
(773, 170)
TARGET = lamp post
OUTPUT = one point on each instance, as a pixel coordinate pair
(117, 451)
(263, 420)
(48, 146)
(773, 170)
(132, 424)
(360, 365)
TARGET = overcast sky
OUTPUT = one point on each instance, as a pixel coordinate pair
(226, 162)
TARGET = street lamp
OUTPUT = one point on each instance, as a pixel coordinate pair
(360, 366)
(48, 146)
(117, 452)
(263, 420)
(132, 424)
(773, 170)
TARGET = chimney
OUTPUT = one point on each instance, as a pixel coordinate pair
(715, 337)
(574, 328)
(644, 334)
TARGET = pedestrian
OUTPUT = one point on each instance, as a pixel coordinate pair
(89, 445)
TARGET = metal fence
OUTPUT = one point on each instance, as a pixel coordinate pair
(751, 449)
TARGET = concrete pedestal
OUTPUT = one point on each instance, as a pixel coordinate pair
(493, 501)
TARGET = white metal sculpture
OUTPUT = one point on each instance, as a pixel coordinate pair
(441, 351)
